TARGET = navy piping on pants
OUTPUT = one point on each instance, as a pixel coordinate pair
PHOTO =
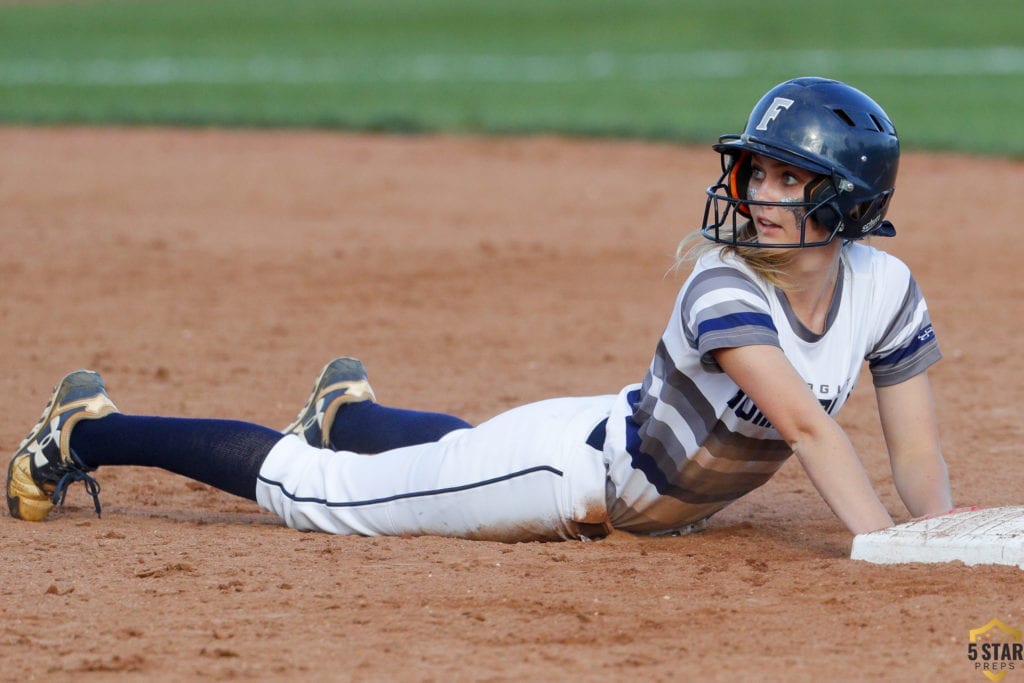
(412, 494)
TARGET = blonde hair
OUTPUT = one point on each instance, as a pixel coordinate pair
(768, 263)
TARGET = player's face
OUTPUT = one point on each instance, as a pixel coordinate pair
(775, 181)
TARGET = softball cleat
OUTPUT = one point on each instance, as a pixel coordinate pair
(342, 381)
(44, 465)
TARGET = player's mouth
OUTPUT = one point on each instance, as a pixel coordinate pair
(767, 228)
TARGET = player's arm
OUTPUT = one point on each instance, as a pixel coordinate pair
(773, 384)
(907, 413)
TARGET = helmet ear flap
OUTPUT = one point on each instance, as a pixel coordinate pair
(822, 192)
(739, 179)
(869, 214)
(830, 216)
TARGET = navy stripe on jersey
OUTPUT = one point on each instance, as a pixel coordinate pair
(724, 319)
(742, 321)
(410, 494)
(733, 320)
(909, 360)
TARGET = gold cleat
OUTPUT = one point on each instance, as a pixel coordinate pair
(342, 381)
(44, 465)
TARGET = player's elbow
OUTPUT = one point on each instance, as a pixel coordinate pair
(808, 427)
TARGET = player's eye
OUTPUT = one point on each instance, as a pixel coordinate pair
(756, 173)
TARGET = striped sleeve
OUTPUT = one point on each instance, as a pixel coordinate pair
(908, 347)
(723, 307)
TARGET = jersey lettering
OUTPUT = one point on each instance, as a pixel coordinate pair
(745, 409)
(778, 105)
(825, 389)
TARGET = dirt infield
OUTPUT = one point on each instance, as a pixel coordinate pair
(211, 274)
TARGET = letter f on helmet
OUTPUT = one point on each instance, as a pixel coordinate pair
(773, 111)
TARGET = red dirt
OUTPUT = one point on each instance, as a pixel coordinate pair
(212, 273)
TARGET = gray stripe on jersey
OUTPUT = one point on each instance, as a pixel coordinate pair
(678, 391)
(748, 335)
(908, 308)
(716, 279)
(721, 310)
(697, 484)
(925, 355)
(730, 452)
(728, 465)
(728, 445)
(701, 481)
(719, 278)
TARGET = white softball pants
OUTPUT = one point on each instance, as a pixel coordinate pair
(526, 474)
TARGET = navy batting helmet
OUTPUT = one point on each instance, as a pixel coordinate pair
(823, 126)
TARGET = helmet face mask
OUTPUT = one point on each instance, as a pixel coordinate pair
(728, 204)
(822, 126)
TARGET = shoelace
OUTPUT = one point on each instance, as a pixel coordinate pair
(70, 476)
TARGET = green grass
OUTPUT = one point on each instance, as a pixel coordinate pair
(950, 74)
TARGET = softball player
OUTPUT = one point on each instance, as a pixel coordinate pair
(761, 350)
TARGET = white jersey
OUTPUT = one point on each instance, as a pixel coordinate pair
(687, 441)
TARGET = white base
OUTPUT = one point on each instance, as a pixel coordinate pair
(984, 536)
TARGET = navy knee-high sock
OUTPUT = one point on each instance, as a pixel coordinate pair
(369, 427)
(226, 454)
